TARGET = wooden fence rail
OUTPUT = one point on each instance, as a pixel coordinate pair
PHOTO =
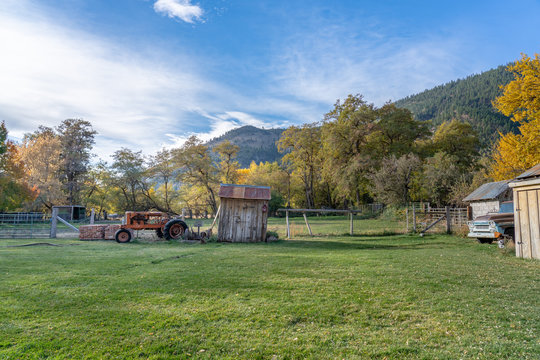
(429, 217)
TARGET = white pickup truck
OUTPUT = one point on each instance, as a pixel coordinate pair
(494, 226)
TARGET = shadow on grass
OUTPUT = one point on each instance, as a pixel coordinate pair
(358, 245)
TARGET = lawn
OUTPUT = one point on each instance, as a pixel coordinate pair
(326, 297)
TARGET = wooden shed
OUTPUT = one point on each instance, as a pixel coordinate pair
(243, 213)
(71, 212)
(488, 198)
(526, 189)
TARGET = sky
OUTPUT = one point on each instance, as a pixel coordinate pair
(149, 73)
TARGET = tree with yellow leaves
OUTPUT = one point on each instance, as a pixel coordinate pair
(40, 154)
(515, 153)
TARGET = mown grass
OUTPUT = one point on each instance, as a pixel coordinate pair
(367, 296)
(336, 225)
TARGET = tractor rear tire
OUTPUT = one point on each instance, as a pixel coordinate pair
(175, 229)
(122, 236)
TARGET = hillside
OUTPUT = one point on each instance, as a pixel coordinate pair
(256, 144)
(467, 99)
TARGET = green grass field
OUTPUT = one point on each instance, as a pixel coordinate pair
(326, 297)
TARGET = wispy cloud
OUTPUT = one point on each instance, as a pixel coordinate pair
(50, 74)
(180, 9)
(220, 124)
(52, 71)
(330, 62)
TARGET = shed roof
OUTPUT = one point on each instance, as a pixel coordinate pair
(531, 173)
(68, 206)
(488, 191)
(249, 192)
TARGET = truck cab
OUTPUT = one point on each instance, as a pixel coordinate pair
(494, 226)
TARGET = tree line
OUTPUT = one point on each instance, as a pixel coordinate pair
(358, 153)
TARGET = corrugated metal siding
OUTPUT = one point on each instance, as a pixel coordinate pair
(532, 172)
(488, 191)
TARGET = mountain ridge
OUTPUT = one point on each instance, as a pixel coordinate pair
(468, 99)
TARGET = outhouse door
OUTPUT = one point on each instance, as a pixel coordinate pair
(527, 231)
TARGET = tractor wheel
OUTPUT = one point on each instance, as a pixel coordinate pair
(159, 233)
(123, 236)
(174, 229)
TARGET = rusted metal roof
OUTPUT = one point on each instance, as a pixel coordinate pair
(249, 192)
(531, 173)
(488, 191)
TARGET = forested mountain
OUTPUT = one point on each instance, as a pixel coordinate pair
(255, 144)
(466, 99)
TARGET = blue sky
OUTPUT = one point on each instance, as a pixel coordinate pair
(149, 73)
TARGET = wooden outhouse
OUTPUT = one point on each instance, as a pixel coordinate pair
(243, 213)
(526, 189)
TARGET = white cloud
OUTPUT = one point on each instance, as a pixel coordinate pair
(52, 71)
(220, 124)
(181, 9)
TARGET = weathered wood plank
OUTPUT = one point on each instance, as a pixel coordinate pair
(264, 220)
(532, 199)
(242, 220)
(307, 224)
(321, 211)
(524, 224)
(517, 222)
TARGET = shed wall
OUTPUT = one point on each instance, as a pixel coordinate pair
(484, 207)
(243, 220)
(527, 220)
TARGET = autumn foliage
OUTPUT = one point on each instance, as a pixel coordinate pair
(515, 153)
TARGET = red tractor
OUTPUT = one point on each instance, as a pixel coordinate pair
(162, 223)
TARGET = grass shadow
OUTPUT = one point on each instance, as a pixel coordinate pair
(356, 245)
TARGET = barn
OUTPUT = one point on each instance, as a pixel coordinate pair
(526, 188)
(243, 213)
(488, 197)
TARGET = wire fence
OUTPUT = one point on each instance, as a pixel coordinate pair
(367, 219)
(370, 219)
(422, 218)
(33, 225)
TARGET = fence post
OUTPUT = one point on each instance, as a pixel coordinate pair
(414, 218)
(352, 226)
(407, 216)
(288, 227)
(92, 216)
(54, 222)
(307, 224)
(448, 220)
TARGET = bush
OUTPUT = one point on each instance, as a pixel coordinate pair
(272, 234)
(392, 213)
